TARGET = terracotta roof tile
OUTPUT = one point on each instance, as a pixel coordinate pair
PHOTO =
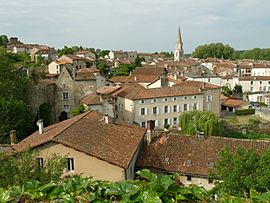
(115, 143)
(233, 102)
(118, 78)
(108, 89)
(177, 150)
(145, 74)
(85, 74)
(255, 78)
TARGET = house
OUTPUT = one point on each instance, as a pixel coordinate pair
(95, 146)
(123, 55)
(231, 104)
(190, 156)
(119, 79)
(47, 53)
(102, 100)
(89, 57)
(165, 104)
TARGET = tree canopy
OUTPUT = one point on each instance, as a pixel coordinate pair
(203, 121)
(217, 50)
(242, 171)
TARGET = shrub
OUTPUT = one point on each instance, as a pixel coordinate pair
(241, 112)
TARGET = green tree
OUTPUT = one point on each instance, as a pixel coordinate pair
(103, 67)
(78, 110)
(21, 167)
(203, 121)
(237, 89)
(45, 113)
(226, 91)
(242, 171)
(3, 40)
(218, 50)
(66, 50)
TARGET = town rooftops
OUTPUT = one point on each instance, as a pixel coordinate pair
(118, 79)
(190, 155)
(74, 57)
(145, 74)
(232, 102)
(108, 89)
(115, 143)
(198, 84)
(62, 62)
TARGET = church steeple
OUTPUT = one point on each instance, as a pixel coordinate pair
(179, 52)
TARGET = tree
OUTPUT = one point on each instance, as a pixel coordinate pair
(21, 167)
(3, 40)
(242, 171)
(103, 67)
(237, 89)
(226, 91)
(203, 121)
(44, 112)
(218, 50)
(78, 110)
(65, 50)
(138, 61)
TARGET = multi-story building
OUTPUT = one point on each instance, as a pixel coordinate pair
(165, 104)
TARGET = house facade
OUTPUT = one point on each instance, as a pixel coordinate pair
(95, 146)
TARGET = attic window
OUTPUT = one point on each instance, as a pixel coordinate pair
(211, 165)
(188, 162)
(188, 178)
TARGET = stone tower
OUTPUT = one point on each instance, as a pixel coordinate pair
(179, 52)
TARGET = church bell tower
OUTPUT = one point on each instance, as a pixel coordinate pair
(179, 51)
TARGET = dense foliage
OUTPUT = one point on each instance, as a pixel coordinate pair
(242, 171)
(16, 169)
(149, 187)
(220, 50)
(202, 121)
(226, 91)
(14, 114)
(78, 110)
(240, 112)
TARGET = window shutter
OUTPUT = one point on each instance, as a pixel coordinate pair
(169, 108)
(157, 110)
(146, 111)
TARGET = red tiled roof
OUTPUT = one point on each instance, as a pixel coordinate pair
(233, 102)
(115, 143)
(255, 78)
(85, 74)
(91, 99)
(135, 93)
(107, 89)
(198, 84)
(145, 74)
(173, 152)
(118, 78)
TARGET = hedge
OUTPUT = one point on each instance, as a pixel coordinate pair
(241, 112)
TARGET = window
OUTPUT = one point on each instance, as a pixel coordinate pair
(175, 121)
(165, 99)
(143, 124)
(260, 82)
(174, 99)
(268, 88)
(66, 108)
(40, 162)
(155, 110)
(251, 82)
(65, 95)
(208, 98)
(154, 100)
(209, 79)
(175, 108)
(166, 109)
(264, 88)
(185, 107)
(70, 164)
(268, 82)
(260, 88)
(142, 101)
(251, 89)
(188, 178)
(166, 121)
(143, 112)
(185, 98)
(195, 106)
(194, 97)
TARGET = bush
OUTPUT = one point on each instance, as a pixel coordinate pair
(241, 112)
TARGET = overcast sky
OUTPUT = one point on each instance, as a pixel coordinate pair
(142, 25)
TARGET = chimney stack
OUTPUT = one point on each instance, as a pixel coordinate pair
(150, 131)
(106, 118)
(40, 126)
(13, 137)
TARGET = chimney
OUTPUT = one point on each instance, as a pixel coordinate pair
(13, 137)
(40, 126)
(150, 131)
(106, 118)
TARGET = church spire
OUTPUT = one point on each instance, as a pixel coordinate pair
(179, 52)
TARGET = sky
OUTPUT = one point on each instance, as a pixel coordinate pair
(141, 25)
